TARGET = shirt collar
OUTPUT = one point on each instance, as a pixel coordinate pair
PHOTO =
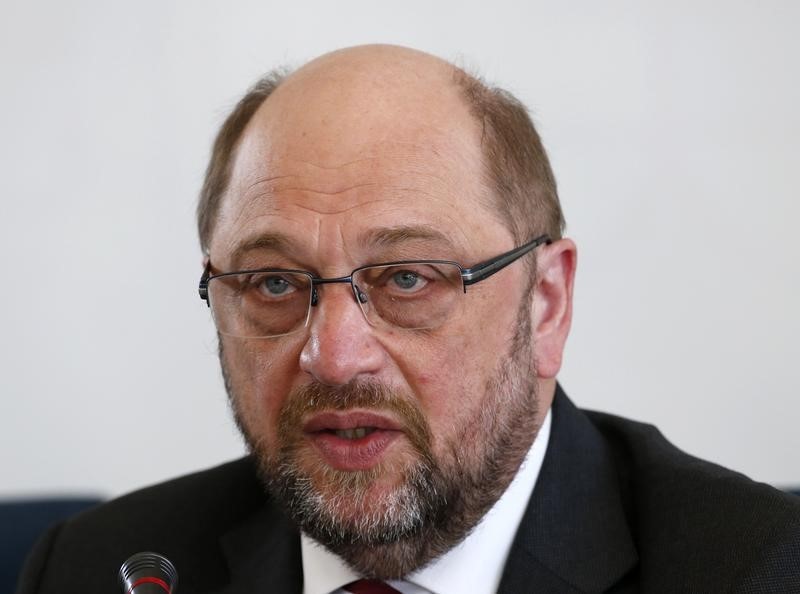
(474, 565)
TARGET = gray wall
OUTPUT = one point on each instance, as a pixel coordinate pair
(673, 129)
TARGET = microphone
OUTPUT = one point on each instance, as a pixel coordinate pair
(148, 573)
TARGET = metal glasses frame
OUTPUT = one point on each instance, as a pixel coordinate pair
(469, 276)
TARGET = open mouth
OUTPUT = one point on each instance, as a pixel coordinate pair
(350, 424)
(352, 440)
(356, 433)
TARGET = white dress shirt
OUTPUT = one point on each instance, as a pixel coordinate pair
(474, 565)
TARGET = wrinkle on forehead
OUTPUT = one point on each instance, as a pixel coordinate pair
(334, 166)
(392, 171)
(270, 161)
(301, 188)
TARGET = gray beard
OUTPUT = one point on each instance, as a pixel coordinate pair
(438, 502)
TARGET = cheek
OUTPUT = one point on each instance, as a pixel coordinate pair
(451, 370)
(449, 381)
(259, 373)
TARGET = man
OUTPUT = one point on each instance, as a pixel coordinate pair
(385, 267)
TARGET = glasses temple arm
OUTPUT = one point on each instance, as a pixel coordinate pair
(488, 268)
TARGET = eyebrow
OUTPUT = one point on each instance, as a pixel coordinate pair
(385, 237)
(390, 236)
(264, 241)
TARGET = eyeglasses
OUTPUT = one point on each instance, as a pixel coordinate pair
(410, 294)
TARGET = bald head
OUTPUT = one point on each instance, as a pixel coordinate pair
(362, 75)
(339, 106)
(335, 108)
(373, 80)
(356, 97)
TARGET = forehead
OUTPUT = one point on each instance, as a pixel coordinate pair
(334, 172)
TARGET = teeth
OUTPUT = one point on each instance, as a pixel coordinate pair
(356, 433)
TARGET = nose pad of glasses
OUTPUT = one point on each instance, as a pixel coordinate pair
(314, 296)
(360, 295)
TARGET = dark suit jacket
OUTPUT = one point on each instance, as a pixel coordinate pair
(616, 509)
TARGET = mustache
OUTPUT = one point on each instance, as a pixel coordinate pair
(317, 397)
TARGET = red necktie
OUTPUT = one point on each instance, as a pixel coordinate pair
(369, 587)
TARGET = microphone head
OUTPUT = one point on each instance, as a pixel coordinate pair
(148, 573)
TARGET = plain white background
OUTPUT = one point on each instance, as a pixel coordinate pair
(672, 126)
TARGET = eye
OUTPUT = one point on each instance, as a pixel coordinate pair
(408, 280)
(275, 285)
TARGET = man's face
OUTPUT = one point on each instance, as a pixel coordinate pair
(386, 444)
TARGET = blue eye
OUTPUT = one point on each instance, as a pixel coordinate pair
(272, 285)
(405, 279)
(276, 285)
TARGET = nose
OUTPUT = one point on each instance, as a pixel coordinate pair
(341, 345)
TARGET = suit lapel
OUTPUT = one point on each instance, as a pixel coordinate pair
(574, 536)
(263, 554)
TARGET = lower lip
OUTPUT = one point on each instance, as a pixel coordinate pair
(353, 454)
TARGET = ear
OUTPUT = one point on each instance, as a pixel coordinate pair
(552, 304)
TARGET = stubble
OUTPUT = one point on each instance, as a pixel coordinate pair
(437, 501)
